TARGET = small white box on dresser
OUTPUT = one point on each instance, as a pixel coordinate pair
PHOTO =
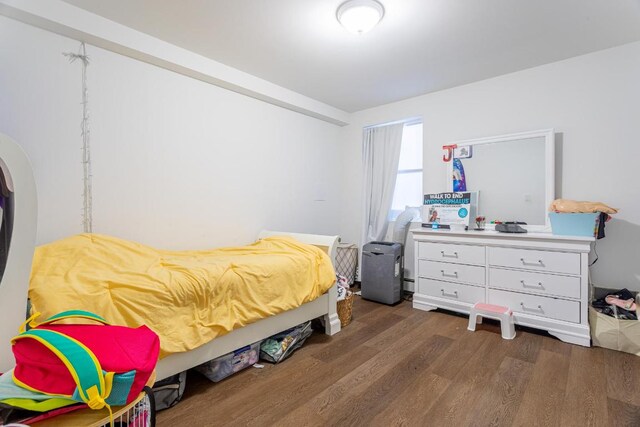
(543, 278)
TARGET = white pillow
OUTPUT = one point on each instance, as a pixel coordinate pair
(402, 224)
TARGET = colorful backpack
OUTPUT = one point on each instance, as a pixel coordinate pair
(100, 365)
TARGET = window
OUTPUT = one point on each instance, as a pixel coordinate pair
(408, 191)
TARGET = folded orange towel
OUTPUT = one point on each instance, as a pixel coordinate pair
(573, 206)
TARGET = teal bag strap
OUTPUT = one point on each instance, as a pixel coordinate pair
(93, 386)
(69, 314)
(76, 313)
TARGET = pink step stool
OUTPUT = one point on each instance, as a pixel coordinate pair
(496, 312)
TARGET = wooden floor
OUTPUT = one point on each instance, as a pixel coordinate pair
(400, 366)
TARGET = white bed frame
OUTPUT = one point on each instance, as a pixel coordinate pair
(325, 305)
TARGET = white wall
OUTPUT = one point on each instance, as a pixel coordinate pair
(177, 163)
(40, 109)
(593, 103)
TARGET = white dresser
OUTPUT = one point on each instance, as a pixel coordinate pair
(543, 278)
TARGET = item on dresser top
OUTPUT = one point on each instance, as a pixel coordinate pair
(168, 392)
(280, 346)
(570, 217)
(511, 227)
(230, 363)
(457, 227)
(480, 221)
(573, 206)
(436, 226)
(575, 224)
(450, 208)
(602, 220)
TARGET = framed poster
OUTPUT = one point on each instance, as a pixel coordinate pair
(442, 209)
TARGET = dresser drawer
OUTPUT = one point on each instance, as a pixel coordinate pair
(459, 254)
(559, 262)
(452, 291)
(553, 308)
(537, 283)
(470, 274)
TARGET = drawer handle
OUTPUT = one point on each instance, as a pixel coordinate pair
(525, 262)
(452, 255)
(535, 285)
(444, 294)
(454, 274)
(530, 308)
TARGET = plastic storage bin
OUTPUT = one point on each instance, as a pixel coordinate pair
(574, 224)
(281, 345)
(224, 366)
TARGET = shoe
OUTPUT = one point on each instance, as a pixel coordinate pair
(627, 304)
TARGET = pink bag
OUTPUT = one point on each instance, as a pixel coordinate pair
(100, 365)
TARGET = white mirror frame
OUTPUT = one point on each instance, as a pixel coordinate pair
(15, 282)
(549, 165)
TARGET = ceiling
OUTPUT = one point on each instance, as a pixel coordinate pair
(420, 46)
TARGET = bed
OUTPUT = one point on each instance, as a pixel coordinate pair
(14, 283)
(189, 298)
(324, 306)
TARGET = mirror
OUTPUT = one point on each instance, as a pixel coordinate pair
(6, 215)
(17, 241)
(513, 175)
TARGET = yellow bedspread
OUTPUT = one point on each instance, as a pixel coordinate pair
(187, 297)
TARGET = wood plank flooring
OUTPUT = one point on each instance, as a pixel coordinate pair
(396, 366)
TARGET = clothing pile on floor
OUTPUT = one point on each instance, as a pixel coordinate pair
(619, 304)
(343, 287)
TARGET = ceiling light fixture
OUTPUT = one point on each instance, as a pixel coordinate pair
(360, 16)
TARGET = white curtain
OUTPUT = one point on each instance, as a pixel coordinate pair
(381, 153)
